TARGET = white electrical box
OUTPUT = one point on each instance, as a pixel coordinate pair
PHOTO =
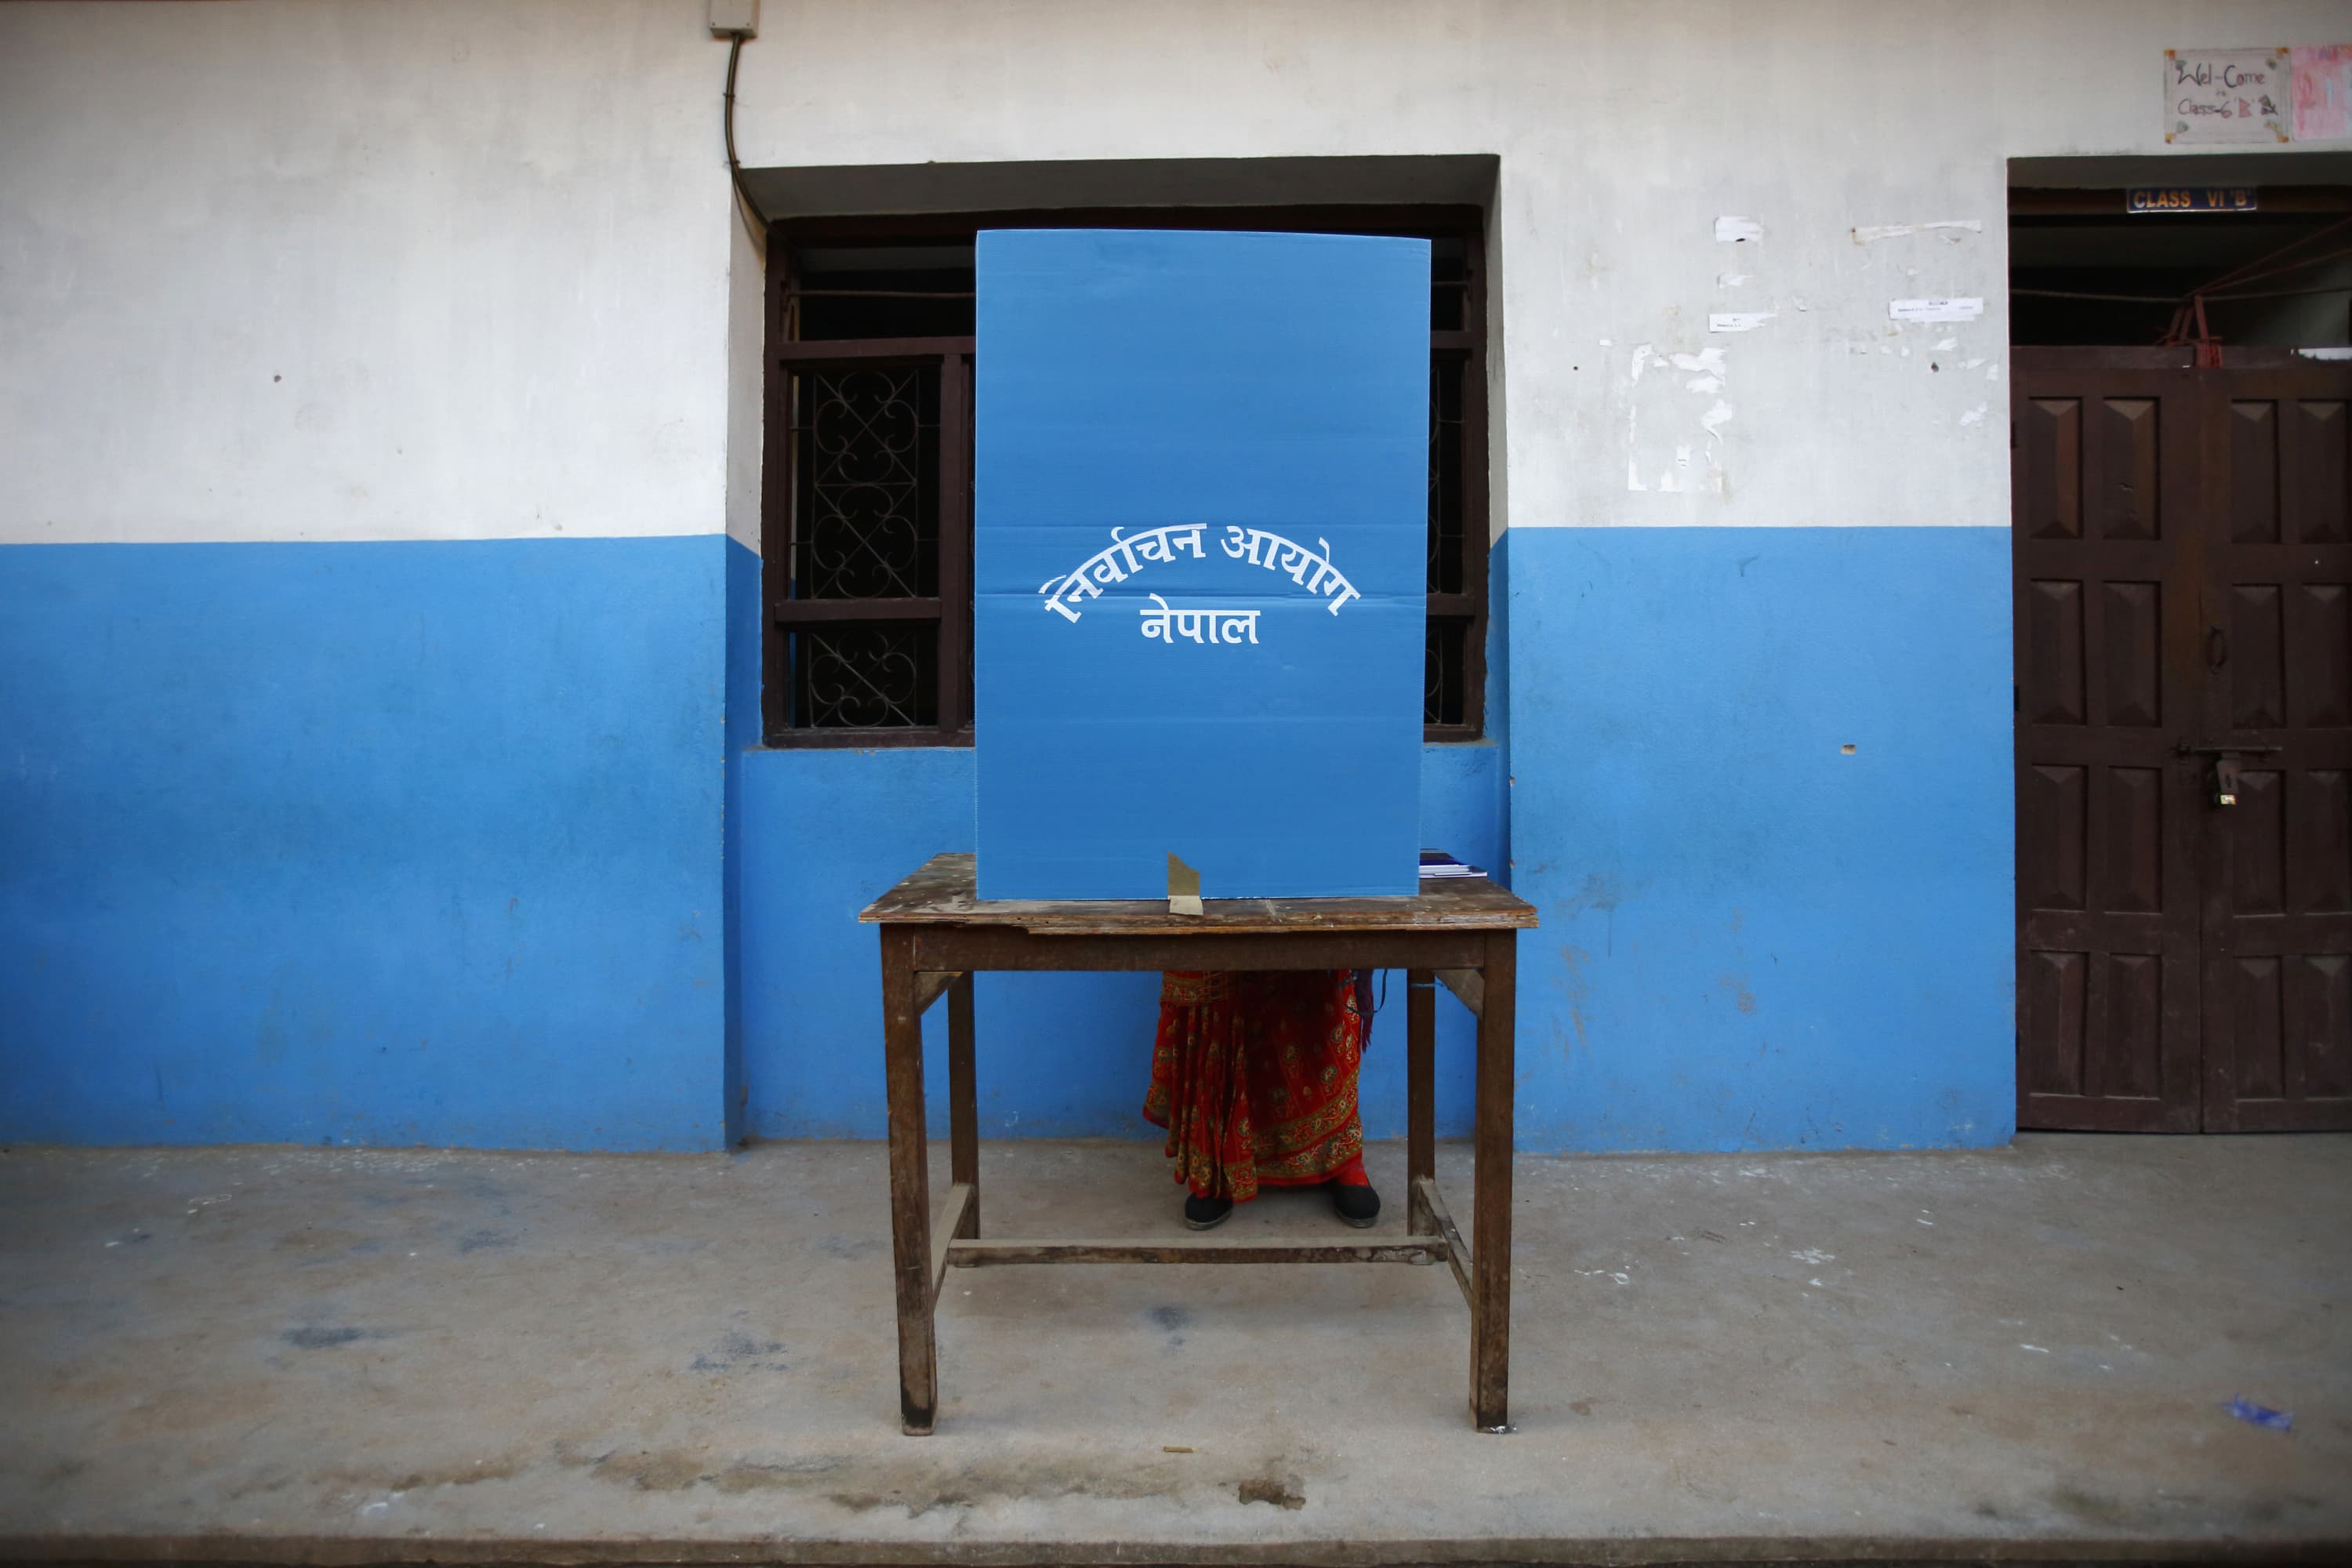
(735, 19)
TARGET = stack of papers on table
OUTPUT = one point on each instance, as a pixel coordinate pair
(1437, 863)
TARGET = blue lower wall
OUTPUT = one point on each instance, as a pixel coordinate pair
(824, 832)
(1751, 940)
(473, 843)
(403, 843)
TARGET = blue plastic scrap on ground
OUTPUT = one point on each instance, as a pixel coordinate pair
(2260, 1415)
(1199, 562)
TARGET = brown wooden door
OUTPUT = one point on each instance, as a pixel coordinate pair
(2277, 871)
(2183, 579)
(2105, 551)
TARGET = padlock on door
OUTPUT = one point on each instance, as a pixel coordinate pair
(2225, 781)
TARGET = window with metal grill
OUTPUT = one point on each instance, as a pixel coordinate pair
(866, 520)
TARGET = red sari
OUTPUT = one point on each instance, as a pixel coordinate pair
(1254, 1074)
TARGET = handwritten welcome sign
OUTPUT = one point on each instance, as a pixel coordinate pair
(2227, 95)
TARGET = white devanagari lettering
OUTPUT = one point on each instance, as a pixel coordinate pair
(1296, 559)
(1105, 570)
(1206, 628)
(1076, 585)
(1123, 557)
(1324, 569)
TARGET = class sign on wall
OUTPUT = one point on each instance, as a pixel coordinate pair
(2227, 95)
(1200, 535)
(2302, 93)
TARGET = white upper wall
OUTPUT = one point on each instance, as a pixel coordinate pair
(365, 270)
(486, 245)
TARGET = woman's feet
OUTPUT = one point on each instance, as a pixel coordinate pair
(1206, 1213)
(1356, 1204)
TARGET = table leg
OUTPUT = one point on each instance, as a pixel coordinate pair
(1490, 1244)
(1419, 1097)
(963, 1104)
(910, 1186)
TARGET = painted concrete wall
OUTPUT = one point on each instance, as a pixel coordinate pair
(364, 843)
(483, 248)
(1623, 132)
(408, 841)
(279, 278)
(1754, 938)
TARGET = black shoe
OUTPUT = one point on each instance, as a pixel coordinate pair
(1359, 1206)
(1208, 1214)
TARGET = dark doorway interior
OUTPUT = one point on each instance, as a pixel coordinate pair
(2111, 264)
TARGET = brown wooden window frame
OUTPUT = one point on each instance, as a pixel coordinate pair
(1458, 617)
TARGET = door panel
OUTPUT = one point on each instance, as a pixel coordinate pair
(2105, 547)
(2277, 922)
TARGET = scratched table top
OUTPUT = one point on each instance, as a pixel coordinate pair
(942, 893)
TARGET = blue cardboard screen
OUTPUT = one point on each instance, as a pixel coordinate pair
(1200, 548)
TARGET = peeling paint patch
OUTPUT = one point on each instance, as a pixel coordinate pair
(1738, 230)
(1634, 421)
(1677, 478)
(1975, 416)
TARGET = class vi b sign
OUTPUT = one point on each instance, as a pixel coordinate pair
(2192, 199)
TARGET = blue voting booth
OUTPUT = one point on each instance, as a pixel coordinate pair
(1199, 559)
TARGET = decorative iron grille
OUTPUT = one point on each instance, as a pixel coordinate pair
(866, 453)
(866, 678)
(1444, 691)
(1445, 478)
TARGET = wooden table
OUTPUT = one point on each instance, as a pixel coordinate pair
(935, 932)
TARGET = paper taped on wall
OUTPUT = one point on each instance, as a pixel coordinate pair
(1966, 309)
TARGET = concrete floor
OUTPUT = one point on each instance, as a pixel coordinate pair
(277, 1354)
